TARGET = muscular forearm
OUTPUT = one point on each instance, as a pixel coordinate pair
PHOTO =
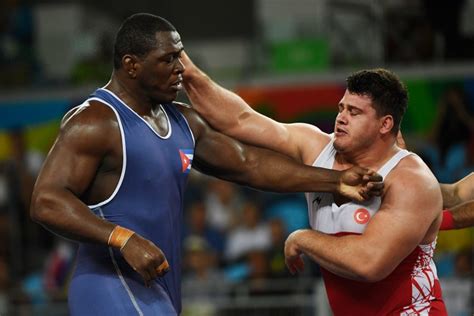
(61, 212)
(459, 192)
(463, 215)
(345, 256)
(450, 196)
(266, 170)
(219, 106)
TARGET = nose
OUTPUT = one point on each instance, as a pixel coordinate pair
(180, 68)
(341, 117)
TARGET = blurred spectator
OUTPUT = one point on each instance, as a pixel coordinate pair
(275, 254)
(223, 202)
(4, 286)
(259, 273)
(58, 268)
(97, 67)
(252, 234)
(203, 283)
(16, 43)
(5, 206)
(29, 241)
(291, 209)
(455, 122)
(463, 263)
(453, 130)
(196, 225)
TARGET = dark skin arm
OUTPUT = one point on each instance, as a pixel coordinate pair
(85, 141)
(226, 158)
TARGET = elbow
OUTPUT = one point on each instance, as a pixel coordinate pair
(372, 276)
(373, 272)
(39, 211)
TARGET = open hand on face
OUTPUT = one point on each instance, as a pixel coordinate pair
(145, 258)
(360, 184)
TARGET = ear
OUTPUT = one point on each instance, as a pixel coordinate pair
(130, 65)
(386, 124)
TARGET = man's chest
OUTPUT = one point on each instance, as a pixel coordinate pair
(328, 217)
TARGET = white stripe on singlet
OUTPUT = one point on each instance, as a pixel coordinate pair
(122, 279)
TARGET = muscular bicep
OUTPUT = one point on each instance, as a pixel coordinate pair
(70, 168)
(215, 153)
(73, 160)
(406, 218)
(229, 114)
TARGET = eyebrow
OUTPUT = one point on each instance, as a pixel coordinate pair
(350, 106)
(172, 53)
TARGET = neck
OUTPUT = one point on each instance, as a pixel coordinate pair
(125, 89)
(373, 157)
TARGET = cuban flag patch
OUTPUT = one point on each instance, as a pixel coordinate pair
(186, 156)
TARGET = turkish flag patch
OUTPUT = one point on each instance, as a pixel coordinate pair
(361, 216)
(186, 156)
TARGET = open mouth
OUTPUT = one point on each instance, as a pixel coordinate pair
(340, 132)
(177, 85)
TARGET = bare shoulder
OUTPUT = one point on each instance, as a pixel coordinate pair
(195, 121)
(413, 178)
(310, 140)
(91, 124)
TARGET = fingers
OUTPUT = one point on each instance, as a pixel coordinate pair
(299, 264)
(375, 188)
(163, 268)
(146, 277)
(372, 176)
(152, 272)
(294, 264)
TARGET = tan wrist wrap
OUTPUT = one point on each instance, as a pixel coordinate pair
(119, 237)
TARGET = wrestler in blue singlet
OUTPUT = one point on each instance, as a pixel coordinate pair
(148, 200)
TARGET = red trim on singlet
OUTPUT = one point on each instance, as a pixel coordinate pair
(390, 296)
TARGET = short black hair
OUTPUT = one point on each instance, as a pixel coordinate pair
(137, 35)
(388, 93)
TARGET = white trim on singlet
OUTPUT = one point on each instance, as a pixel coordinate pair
(141, 118)
(120, 276)
(325, 153)
(124, 155)
(392, 162)
(189, 127)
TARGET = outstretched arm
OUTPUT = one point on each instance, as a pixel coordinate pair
(459, 216)
(221, 156)
(391, 235)
(459, 192)
(228, 113)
